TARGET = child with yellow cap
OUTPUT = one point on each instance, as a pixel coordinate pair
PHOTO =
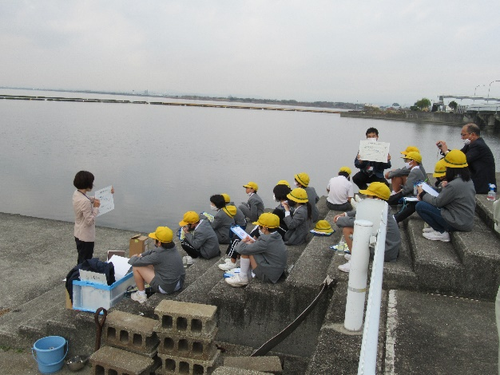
(254, 207)
(160, 267)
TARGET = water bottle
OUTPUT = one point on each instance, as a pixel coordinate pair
(491, 193)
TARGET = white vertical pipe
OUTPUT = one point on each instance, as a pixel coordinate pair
(356, 290)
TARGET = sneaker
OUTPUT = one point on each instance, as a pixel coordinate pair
(428, 230)
(237, 280)
(436, 236)
(228, 266)
(187, 261)
(141, 298)
(345, 267)
(347, 256)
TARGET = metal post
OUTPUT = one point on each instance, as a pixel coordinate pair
(356, 291)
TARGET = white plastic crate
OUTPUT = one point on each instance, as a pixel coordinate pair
(88, 296)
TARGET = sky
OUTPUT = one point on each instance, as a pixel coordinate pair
(378, 52)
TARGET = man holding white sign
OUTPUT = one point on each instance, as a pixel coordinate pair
(372, 159)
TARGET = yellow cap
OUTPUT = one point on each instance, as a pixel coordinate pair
(190, 217)
(302, 178)
(377, 189)
(298, 195)
(268, 220)
(413, 155)
(410, 149)
(323, 226)
(346, 170)
(455, 159)
(439, 169)
(162, 234)
(227, 198)
(283, 182)
(252, 185)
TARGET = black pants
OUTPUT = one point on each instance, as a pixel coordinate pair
(192, 252)
(362, 180)
(85, 250)
(406, 211)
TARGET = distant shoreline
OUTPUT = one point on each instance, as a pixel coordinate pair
(166, 103)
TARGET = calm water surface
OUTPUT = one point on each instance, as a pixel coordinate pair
(165, 160)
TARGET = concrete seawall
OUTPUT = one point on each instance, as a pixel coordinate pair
(412, 116)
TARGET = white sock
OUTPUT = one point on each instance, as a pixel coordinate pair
(244, 267)
(141, 292)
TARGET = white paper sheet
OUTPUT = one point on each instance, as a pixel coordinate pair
(373, 151)
(121, 266)
(107, 201)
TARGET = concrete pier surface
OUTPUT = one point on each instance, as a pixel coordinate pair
(36, 254)
(421, 332)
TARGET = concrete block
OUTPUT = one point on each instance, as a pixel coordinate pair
(197, 348)
(131, 332)
(188, 319)
(182, 365)
(108, 360)
(225, 370)
(270, 364)
(436, 263)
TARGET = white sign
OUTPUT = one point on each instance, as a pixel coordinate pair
(93, 277)
(107, 201)
(373, 151)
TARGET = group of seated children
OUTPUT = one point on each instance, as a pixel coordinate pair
(263, 253)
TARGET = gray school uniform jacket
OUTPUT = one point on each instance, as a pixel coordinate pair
(167, 265)
(313, 199)
(401, 172)
(204, 239)
(222, 223)
(270, 253)
(298, 226)
(416, 175)
(392, 237)
(457, 201)
(239, 217)
(253, 208)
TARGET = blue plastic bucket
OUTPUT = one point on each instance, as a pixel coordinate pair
(50, 352)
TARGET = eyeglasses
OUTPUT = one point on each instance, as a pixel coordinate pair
(464, 134)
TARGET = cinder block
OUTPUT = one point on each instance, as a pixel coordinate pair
(131, 332)
(224, 370)
(270, 364)
(186, 319)
(197, 348)
(108, 360)
(181, 365)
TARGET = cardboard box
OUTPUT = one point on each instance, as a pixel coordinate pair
(138, 244)
(115, 252)
(69, 305)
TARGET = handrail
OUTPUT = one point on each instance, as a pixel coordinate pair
(368, 354)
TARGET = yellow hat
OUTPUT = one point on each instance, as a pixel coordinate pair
(302, 178)
(252, 185)
(377, 189)
(413, 155)
(410, 149)
(323, 226)
(268, 220)
(283, 182)
(455, 159)
(190, 217)
(162, 234)
(439, 169)
(298, 195)
(346, 170)
(227, 198)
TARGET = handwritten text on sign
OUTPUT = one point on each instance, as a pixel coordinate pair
(374, 151)
(106, 198)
